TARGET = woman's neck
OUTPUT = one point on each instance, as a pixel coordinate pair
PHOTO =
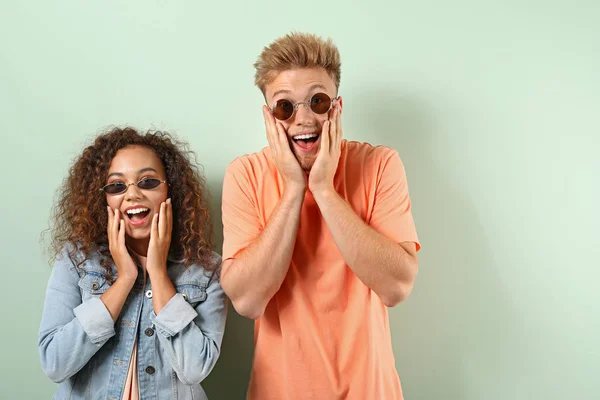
(139, 248)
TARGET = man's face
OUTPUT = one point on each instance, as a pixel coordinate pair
(299, 85)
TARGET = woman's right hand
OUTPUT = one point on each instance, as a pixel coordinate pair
(126, 267)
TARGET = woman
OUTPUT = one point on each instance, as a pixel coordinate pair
(134, 308)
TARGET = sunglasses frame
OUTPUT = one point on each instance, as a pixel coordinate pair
(132, 183)
(306, 104)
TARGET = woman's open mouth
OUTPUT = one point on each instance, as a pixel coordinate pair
(137, 215)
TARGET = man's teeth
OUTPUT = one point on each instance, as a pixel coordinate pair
(305, 137)
(136, 211)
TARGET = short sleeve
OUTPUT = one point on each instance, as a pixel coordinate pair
(241, 224)
(392, 213)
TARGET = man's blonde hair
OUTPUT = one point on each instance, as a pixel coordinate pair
(297, 50)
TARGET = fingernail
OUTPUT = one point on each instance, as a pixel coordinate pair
(169, 200)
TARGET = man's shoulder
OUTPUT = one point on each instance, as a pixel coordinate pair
(364, 152)
(251, 162)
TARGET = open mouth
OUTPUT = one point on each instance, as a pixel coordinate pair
(306, 141)
(137, 215)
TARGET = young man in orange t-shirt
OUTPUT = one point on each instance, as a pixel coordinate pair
(319, 238)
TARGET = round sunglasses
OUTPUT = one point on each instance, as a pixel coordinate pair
(121, 187)
(319, 103)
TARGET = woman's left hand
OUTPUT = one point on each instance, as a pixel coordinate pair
(160, 239)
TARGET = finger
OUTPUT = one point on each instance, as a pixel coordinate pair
(325, 135)
(282, 138)
(154, 228)
(333, 130)
(115, 226)
(162, 220)
(338, 128)
(121, 234)
(110, 220)
(270, 127)
(169, 217)
(332, 111)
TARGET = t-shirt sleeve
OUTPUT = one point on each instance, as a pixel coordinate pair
(392, 214)
(241, 225)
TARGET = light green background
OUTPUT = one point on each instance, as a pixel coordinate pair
(493, 107)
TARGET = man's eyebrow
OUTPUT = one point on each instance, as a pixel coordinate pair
(281, 91)
(317, 86)
(310, 89)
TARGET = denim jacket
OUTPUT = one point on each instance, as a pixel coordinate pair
(86, 352)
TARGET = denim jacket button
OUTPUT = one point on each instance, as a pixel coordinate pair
(95, 286)
(150, 369)
(149, 331)
(149, 294)
(184, 296)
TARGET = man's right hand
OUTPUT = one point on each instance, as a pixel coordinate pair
(285, 160)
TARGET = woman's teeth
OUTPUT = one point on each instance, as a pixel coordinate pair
(134, 211)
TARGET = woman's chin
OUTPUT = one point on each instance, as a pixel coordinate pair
(139, 234)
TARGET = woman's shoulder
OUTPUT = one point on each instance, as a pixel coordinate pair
(74, 255)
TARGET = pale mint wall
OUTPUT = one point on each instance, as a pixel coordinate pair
(493, 106)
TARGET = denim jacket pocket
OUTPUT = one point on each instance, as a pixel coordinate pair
(192, 292)
(93, 284)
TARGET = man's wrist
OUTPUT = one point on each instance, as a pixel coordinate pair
(324, 194)
(293, 192)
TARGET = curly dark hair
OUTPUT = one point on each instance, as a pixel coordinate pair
(79, 216)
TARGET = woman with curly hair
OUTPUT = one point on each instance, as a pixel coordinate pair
(134, 308)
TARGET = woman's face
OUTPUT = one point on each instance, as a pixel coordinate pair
(137, 206)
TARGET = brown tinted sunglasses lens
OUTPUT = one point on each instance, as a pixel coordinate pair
(320, 103)
(283, 109)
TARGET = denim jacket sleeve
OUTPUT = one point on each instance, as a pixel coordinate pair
(71, 330)
(191, 336)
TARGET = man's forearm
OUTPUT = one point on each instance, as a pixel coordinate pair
(386, 267)
(256, 274)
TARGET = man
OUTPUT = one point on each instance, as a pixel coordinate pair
(319, 238)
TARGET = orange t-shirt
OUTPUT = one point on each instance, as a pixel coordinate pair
(324, 335)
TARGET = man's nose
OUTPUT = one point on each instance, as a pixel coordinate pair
(303, 113)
